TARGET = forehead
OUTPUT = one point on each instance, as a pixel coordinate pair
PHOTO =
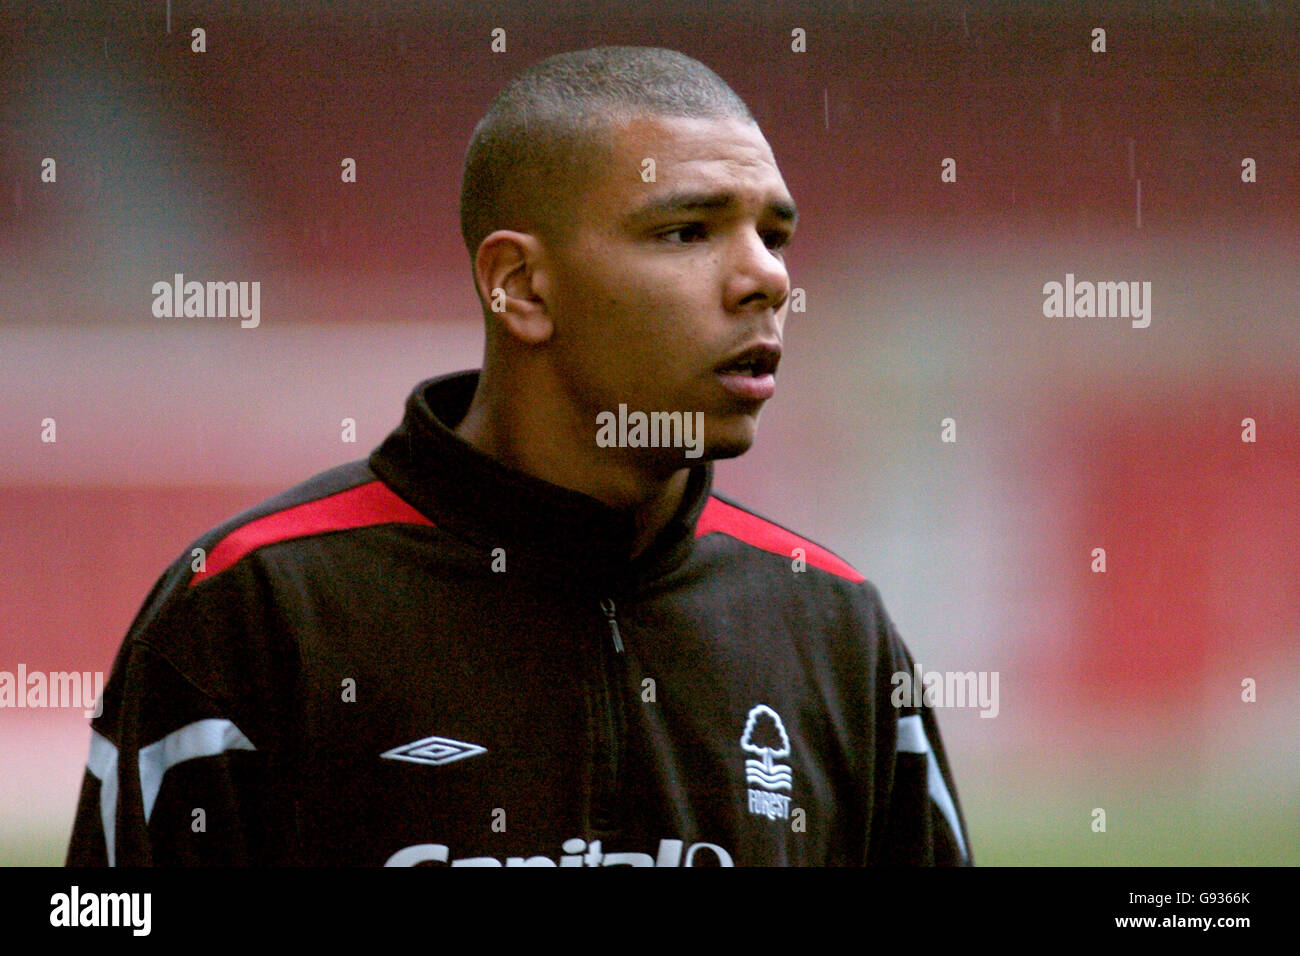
(716, 157)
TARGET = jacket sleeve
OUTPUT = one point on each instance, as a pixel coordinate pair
(920, 819)
(180, 771)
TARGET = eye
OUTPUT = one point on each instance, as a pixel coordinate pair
(688, 233)
(777, 240)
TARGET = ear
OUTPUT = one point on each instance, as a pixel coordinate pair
(506, 271)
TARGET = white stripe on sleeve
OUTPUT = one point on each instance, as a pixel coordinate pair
(203, 738)
(912, 740)
(103, 764)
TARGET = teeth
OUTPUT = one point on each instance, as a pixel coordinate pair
(748, 367)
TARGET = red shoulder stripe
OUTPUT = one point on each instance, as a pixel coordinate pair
(371, 503)
(738, 523)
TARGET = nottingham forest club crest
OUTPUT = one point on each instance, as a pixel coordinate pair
(765, 737)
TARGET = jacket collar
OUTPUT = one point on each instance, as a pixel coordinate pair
(543, 527)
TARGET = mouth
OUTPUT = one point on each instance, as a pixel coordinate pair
(751, 374)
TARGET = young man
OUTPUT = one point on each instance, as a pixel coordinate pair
(525, 631)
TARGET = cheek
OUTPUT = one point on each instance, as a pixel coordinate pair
(626, 313)
(671, 304)
(586, 307)
(640, 318)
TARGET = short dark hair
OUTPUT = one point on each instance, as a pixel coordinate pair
(530, 151)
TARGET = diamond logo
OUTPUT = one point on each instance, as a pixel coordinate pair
(435, 751)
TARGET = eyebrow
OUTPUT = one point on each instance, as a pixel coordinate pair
(680, 202)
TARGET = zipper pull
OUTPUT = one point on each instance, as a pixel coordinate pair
(607, 605)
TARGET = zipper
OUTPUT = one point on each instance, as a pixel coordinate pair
(607, 605)
(604, 812)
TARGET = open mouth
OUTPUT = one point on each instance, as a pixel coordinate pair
(756, 361)
(751, 375)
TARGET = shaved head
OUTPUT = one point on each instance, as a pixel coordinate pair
(547, 131)
(610, 290)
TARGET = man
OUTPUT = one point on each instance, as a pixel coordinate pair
(525, 631)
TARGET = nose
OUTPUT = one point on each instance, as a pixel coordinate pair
(758, 277)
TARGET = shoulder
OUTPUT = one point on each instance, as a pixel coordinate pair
(215, 572)
(725, 516)
(217, 635)
(764, 557)
(348, 497)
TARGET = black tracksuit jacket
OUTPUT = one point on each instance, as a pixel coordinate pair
(426, 657)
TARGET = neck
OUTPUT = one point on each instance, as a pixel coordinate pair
(528, 430)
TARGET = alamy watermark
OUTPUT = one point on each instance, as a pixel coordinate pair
(946, 689)
(53, 689)
(208, 300)
(130, 910)
(651, 430)
(1100, 300)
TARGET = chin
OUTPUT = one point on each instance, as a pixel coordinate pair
(729, 440)
(720, 452)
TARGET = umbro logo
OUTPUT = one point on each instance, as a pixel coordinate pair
(435, 751)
